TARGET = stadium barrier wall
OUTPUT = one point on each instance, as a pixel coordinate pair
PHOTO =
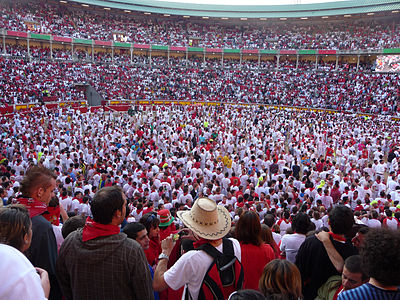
(124, 105)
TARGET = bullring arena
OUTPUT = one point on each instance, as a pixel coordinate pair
(281, 111)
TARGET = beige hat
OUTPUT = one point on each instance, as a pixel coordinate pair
(207, 219)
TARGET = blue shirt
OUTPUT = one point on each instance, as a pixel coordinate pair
(369, 292)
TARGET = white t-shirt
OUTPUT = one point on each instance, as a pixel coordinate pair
(290, 244)
(374, 223)
(75, 206)
(191, 268)
(18, 277)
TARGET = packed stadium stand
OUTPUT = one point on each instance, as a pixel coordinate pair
(324, 61)
(172, 124)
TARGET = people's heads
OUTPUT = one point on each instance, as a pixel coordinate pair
(165, 217)
(301, 223)
(206, 219)
(380, 256)
(358, 239)
(248, 228)
(137, 231)
(109, 205)
(15, 227)
(341, 219)
(151, 222)
(269, 220)
(38, 183)
(281, 277)
(353, 275)
(72, 224)
(246, 295)
(266, 235)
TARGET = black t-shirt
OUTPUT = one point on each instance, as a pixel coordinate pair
(296, 170)
(315, 266)
(43, 252)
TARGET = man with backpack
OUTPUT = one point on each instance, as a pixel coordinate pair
(211, 271)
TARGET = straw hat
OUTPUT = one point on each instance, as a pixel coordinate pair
(207, 219)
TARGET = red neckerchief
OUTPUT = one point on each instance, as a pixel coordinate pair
(53, 215)
(94, 230)
(200, 242)
(338, 291)
(337, 237)
(34, 206)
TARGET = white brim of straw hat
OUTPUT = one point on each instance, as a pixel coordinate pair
(207, 219)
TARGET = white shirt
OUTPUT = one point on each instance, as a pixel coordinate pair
(290, 244)
(374, 223)
(18, 277)
(191, 268)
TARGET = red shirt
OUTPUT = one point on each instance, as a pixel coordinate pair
(254, 258)
(153, 252)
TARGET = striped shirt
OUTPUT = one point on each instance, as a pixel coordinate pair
(369, 292)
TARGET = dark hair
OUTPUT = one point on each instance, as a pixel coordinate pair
(105, 203)
(301, 223)
(380, 256)
(246, 295)
(14, 224)
(248, 228)
(281, 277)
(354, 265)
(36, 177)
(131, 229)
(341, 219)
(150, 221)
(72, 224)
(269, 220)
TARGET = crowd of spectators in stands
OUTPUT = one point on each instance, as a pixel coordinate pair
(83, 23)
(194, 79)
(276, 174)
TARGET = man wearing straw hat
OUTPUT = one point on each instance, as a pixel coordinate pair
(209, 223)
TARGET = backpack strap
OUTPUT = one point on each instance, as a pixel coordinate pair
(187, 293)
(227, 248)
(210, 250)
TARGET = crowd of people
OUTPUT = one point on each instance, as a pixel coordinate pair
(198, 202)
(181, 179)
(24, 81)
(42, 17)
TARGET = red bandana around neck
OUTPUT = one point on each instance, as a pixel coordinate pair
(200, 242)
(94, 230)
(34, 206)
(337, 237)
